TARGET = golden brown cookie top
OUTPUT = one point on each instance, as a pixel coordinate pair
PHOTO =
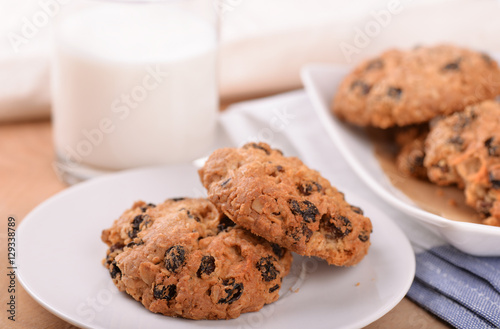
(403, 87)
(285, 202)
(183, 258)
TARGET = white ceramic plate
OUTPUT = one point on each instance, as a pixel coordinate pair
(60, 255)
(321, 82)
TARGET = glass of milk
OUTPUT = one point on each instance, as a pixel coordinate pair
(134, 83)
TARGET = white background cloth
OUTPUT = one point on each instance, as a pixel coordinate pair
(264, 42)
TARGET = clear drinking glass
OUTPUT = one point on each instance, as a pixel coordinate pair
(134, 83)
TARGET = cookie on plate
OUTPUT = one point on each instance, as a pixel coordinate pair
(182, 258)
(285, 202)
(464, 149)
(401, 88)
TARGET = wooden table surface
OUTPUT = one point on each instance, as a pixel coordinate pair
(27, 178)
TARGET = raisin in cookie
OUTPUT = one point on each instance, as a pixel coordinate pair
(283, 201)
(407, 87)
(182, 258)
(464, 149)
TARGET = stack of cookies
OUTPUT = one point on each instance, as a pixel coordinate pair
(439, 102)
(219, 257)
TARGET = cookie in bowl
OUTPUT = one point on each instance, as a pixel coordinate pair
(405, 87)
(411, 154)
(464, 149)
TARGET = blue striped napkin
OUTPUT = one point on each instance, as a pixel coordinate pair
(461, 289)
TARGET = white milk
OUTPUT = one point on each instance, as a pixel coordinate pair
(133, 86)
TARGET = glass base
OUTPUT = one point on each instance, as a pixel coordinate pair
(72, 173)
